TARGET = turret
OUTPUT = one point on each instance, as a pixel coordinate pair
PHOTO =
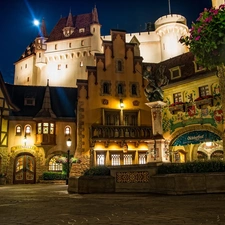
(217, 3)
(40, 46)
(95, 28)
(170, 28)
(69, 28)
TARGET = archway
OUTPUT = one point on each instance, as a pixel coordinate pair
(24, 169)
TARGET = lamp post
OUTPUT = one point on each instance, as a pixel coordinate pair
(68, 143)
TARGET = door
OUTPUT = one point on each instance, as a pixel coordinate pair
(24, 169)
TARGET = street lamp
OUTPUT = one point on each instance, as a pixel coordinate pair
(68, 143)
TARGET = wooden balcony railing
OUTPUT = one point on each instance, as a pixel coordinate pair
(98, 132)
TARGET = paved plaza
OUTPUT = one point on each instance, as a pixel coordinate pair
(43, 204)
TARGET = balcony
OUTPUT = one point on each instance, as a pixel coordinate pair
(105, 132)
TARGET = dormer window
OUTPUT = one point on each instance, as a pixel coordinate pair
(46, 128)
(29, 101)
(81, 30)
(175, 72)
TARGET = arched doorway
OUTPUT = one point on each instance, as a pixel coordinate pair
(24, 169)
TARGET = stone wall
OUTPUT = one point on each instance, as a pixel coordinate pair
(77, 169)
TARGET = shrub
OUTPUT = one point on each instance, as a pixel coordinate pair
(97, 171)
(193, 167)
(53, 176)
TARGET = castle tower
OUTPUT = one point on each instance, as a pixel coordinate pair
(40, 46)
(95, 28)
(217, 3)
(170, 28)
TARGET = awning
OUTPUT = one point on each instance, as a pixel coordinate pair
(195, 137)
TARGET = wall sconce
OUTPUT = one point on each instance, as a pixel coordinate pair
(121, 103)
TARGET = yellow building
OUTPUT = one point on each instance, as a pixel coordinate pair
(192, 118)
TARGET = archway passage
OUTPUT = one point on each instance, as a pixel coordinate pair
(24, 169)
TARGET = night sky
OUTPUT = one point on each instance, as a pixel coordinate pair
(18, 31)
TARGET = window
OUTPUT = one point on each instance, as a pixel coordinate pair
(105, 88)
(66, 66)
(70, 45)
(28, 79)
(112, 118)
(142, 158)
(115, 159)
(204, 91)
(25, 65)
(27, 130)
(59, 66)
(54, 165)
(175, 72)
(46, 128)
(81, 30)
(18, 130)
(81, 63)
(39, 55)
(55, 46)
(93, 30)
(119, 65)
(67, 130)
(177, 97)
(134, 89)
(127, 159)
(100, 159)
(120, 89)
(82, 43)
(130, 118)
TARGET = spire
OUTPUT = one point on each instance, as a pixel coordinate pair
(95, 15)
(46, 110)
(169, 6)
(69, 22)
(43, 30)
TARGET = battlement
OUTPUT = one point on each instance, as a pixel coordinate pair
(172, 18)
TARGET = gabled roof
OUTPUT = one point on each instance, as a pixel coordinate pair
(62, 100)
(6, 95)
(79, 21)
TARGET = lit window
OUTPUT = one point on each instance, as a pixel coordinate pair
(204, 91)
(39, 128)
(115, 159)
(100, 159)
(81, 30)
(18, 130)
(45, 128)
(81, 64)
(67, 130)
(177, 97)
(127, 159)
(27, 129)
(142, 158)
(54, 165)
(52, 128)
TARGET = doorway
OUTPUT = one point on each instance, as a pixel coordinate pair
(24, 169)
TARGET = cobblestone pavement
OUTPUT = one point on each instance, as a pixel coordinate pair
(43, 204)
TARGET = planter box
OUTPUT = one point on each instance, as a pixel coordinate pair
(179, 184)
(91, 184)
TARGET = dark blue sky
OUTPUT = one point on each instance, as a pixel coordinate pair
(17, 29)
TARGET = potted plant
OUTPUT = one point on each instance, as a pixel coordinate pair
(2, 178)
(207, 42)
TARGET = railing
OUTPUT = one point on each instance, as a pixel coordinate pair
(98, 132)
